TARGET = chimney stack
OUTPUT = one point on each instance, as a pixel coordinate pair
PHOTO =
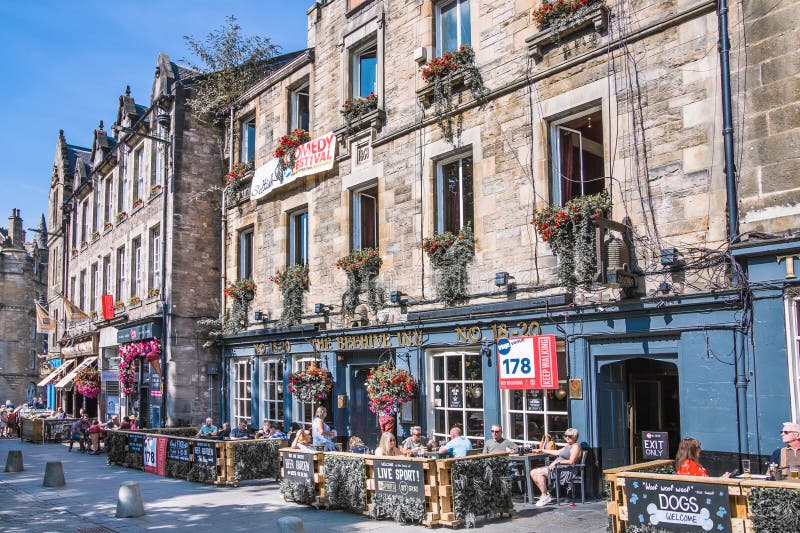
(15, 230)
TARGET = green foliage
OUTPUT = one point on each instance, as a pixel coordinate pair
(231, 63)
(257, 459)
(202, 474)
(481, 486)
(292, 282)
(346, 483)
(174, 432)
(115, 446)
(774, 510)
(361, 268)
(352, 110)
(449, 255)
(398, 508)
(177, 469)
(295, 491)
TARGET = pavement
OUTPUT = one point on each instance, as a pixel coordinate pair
(88, 503)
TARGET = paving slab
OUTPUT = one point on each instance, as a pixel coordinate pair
(88, 503)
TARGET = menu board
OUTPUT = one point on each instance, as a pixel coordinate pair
(298, 466)
(135, 443)
(178, 450)
(678, 505)
(402, 478)
(205, 454)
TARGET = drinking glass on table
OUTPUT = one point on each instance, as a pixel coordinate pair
(746, 468)
(794, 471)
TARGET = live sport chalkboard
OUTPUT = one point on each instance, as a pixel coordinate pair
(655, 445)
(178, 450)
(135, 443)
(205, 454)
(298, 467)
(402, 478)
(678, 505)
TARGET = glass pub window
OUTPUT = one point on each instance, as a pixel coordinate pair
(246, 254)
(530, 413)
(452, 25)
(578, 156)
(302, 412)
(272, 390)
(457, 393)
(241, 386)
(298, 238)
(455, 197)
(365, 218)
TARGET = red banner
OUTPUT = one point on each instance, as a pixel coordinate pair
(108, 306)
(155, 455)
(528, 362)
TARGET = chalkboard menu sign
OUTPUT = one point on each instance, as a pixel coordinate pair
(678, 505)
(205, 454)
(402, 478)
(655, 445)
(178, 450)
(298, 467)
(135, 443)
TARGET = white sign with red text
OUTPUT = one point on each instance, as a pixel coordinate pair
(314, 156)
(528, 362)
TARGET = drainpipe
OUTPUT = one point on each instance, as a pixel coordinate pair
(223, 269)
(741, 397)
(727, 121)
(166, 304)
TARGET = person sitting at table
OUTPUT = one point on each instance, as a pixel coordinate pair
(294, 427)
(568, 455)
(265, 431)
(126, 423)
(687, 459)
(498, 443)
(224, 431)
(303, 441)
(320, 431)
(387, 447)
(134, 425)
(416, 442)
(458, 446)
(789, 455)
(240, 432)
(207, 430)
(113, 423)
(79, 433)
(59, 414)
(94, 432)
(356, 445)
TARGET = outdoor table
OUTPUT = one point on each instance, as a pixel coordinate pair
(528, 460)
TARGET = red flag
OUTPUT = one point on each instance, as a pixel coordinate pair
(108, 306)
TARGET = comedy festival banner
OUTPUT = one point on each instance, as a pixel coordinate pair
(310, 158)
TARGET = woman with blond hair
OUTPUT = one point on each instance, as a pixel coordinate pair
(321, 432)
(387, 447)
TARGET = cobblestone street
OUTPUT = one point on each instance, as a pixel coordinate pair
(88, 503)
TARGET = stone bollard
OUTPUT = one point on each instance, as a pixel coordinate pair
(290, 524)
(54, 475)
(14, 461)
(129, 501)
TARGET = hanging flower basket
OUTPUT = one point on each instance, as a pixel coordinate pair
(235, 182)
(312, 384)
(352, 110)
(361, 268)
(569, 231)
(388, 388)
(449, 255)
(243, 290)
(292, 282)
(87, 382)
(561, 12)
(285, 152)
(149, 350)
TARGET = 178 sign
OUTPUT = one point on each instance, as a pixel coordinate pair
(528, 362)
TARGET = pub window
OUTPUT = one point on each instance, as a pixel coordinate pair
(246, 254)
(241, 385)
(248, 139)
(365, 218)
(299, 111)
(364, 70)
(530, 413)
(793, 340)
(455, 198)
(155, 258)
(82, 289)
(136, 267)
(94, 301)
(457, 395)
(272, 390)
(577, 156)
(138, 174)
(298, 238)
(452, 25)
(121, 274)
(302, 412)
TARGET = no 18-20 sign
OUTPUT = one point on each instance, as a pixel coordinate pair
(528, 362)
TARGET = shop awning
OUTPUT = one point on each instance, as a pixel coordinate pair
(55, 373)
(67, 380)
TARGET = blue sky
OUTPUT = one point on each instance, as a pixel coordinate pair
(63, 65)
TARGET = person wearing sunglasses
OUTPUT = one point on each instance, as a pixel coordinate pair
(387, 447)
(788, 456)
(498, 443)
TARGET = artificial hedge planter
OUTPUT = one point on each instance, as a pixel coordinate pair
(295, 491)
(481, 486)
(256, 459)
(346, 483)
(398, 508)
(774, 510)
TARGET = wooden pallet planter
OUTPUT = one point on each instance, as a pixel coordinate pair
(430, 489)
(317, 474)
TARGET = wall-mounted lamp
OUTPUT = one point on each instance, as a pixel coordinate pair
(504, 279)
(396, 297)
(486, 351)
(258, 316)
(322, 309)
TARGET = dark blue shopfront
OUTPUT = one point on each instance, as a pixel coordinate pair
(687, 365)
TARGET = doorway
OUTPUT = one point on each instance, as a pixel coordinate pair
(363, 422)
(633, 396)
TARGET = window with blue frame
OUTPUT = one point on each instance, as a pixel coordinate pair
(248, 139)
(452, 25)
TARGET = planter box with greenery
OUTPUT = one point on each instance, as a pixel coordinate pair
(285, 152)
(361, 268)
(449, 255)
(293, 283)
(237, 182)
(561, 18)
(360, 113)
(242, 293)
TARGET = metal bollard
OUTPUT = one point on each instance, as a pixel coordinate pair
(54, 475)
(14, 461)
(129, 501)
(290, 524)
